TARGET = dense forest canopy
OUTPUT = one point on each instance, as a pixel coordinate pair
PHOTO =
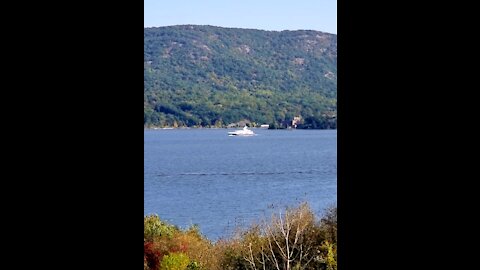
(212, 76)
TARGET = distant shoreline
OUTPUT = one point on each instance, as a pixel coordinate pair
(172, 128)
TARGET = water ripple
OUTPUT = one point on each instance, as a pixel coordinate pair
(239, 173)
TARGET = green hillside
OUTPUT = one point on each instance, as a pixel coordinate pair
(212, 76)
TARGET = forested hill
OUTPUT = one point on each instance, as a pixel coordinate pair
(213, 76)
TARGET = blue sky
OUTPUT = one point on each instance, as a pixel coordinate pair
(275, 15)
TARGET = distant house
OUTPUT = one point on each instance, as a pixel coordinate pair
(296, 121)
(291, 123)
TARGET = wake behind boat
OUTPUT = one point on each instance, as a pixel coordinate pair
(241, 132)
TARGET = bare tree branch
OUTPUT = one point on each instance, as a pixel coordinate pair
(250, 258)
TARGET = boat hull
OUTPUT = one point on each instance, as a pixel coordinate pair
(240, 135)
(242, 132)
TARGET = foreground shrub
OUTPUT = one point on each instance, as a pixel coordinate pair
(328, 256)
(290, 240)
(153, 227)
(152, 255)
(175, 261)
(283, 242)
(198, 248)
(328, 224)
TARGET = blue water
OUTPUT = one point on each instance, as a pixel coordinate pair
(204, 177)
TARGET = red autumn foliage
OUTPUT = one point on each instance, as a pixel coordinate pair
(152, 254)
(180, 247)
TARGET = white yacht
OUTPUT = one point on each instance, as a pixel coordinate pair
(241, 132)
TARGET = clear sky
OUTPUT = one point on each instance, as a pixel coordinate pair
(276, 15)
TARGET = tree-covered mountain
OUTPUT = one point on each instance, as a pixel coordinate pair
(212, 76)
